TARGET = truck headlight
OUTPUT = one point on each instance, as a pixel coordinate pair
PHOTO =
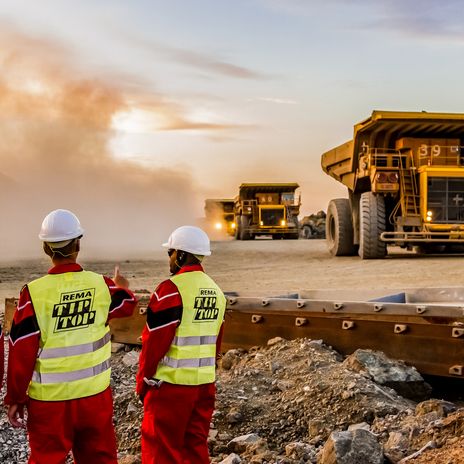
(283, 222)
(261, 223)
(233, 225)
(429, 216)
(218, 226)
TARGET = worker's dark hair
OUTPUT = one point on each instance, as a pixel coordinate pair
(63, 252)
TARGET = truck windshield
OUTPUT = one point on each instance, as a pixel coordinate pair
(288, 198)
(445, 199)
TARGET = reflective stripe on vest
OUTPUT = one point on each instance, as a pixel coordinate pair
(191, 359)
(75, 344)
(75, 350)
(58, 377)
(192, 362)
(190, 341)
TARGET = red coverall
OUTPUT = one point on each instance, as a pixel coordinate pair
(84, 425)
(176, 418)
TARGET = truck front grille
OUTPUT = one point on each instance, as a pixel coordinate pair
(271, 217)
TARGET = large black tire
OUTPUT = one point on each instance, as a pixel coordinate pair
(244, 224)
(237, 227)
(339, 228)
(372, 224)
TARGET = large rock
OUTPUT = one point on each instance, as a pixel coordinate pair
(440, 407)
(405, 380)
(396, 447)
(299, 450)
(231, 459)
(229, 359)
(359, 446)
(240, 444)
(131, 359)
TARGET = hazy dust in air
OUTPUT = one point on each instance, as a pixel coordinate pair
(55, 126)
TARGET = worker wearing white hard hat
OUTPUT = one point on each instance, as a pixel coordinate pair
(60, 347)
(182, 337)
(61, 228)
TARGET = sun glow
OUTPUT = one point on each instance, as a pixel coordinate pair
(135, 120)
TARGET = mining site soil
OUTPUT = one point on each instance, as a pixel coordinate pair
(265, 267)
(289, 395)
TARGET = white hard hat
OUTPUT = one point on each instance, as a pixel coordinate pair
(60, 226)
(190, 239)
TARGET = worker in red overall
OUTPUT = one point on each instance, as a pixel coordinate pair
(180, 342)
(60, 348)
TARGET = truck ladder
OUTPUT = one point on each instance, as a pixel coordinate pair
(409, 198)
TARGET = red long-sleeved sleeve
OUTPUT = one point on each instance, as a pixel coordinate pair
(164, 313)
(123, 301)
(23, 349)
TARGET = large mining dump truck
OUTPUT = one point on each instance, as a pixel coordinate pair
(267, 209)
(219, 213)
(405, 177)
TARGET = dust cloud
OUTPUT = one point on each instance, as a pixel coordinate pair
(55, 128)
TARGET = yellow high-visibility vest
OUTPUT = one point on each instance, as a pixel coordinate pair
(75, 344)
(191, 359)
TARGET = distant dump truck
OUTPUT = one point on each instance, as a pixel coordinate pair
(405, 177)
(219, 213)
(267, 209)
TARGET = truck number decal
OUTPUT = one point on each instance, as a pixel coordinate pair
(435, 150)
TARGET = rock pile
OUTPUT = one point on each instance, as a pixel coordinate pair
(313, 226)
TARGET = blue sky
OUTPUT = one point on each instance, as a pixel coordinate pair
(242, 91)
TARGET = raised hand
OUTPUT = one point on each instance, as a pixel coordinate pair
(119, 279)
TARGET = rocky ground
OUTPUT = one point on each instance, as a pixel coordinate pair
(287, 402)
(291, 401)
(295, 402)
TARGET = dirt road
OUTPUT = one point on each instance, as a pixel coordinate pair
(266, 267)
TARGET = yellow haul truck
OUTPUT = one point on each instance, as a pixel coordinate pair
(219, 213)
(405, 177)
(267, 209)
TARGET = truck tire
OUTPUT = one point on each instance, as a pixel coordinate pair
(339, 228)
(244, 225)
(372, 224)
(237, 228)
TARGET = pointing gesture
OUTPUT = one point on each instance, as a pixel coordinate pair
(119, 279)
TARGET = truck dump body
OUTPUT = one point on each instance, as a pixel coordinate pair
(381, 130)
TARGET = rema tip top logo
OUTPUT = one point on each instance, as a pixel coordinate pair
(74, 311)
(206, 309)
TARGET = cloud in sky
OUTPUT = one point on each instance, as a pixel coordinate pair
(200, 61)
(429, 19)
(277, 101)
(426, 19)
